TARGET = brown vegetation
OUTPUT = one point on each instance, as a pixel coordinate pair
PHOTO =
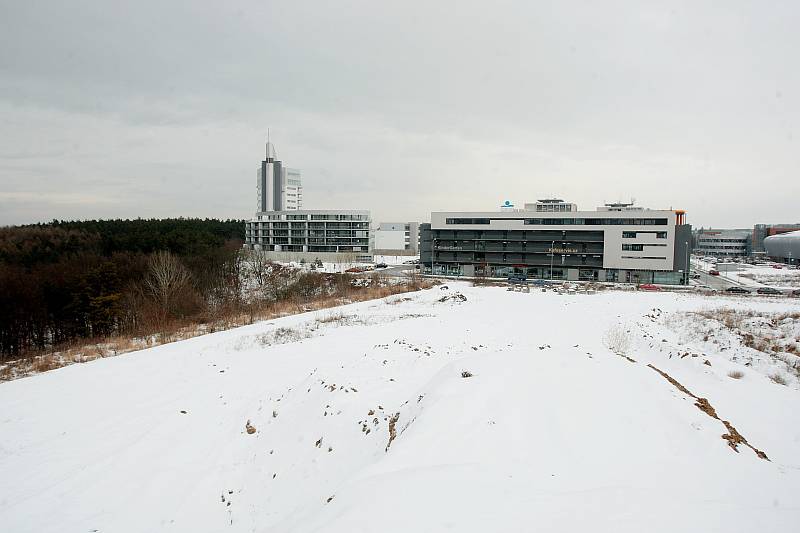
(392, 429)
(85, 307)
(732, 437)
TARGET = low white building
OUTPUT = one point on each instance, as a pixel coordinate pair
(328, 235)
(391, 237)
(724, 242)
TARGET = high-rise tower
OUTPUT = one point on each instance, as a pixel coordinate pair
(277, 188)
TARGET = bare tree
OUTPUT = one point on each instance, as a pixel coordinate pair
(166, 278)
(277, 280)
(260, 267)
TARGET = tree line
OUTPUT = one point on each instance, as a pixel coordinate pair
(66, 283)
(63, 281)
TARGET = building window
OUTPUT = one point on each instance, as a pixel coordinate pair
(467, 221)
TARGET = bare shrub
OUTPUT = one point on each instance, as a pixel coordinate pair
(617, 339)
(283, 335)
(736, 374)
(778, 378)
(166, 279)
(333, 318)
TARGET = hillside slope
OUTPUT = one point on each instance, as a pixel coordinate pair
(286, 425)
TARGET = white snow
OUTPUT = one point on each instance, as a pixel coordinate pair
(765, 274)
(552, 432)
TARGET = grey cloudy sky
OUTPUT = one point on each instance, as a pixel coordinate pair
(160, 108)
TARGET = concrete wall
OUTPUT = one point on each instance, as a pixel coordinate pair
(390, 239)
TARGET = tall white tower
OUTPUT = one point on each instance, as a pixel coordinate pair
(278, 188)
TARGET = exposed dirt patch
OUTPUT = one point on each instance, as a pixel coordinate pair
(735, 438)
(732, 437)
(392, 429)
(455, 297)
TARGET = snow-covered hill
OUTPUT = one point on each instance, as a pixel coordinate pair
(421, 412)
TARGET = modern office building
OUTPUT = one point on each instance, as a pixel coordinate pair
(394, 237)
(286, 232)
(278, 188)
(335, 236)
(723, 242)
(783, 247)
(616, 243)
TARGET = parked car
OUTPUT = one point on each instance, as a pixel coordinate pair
(768, 290)
(695, 276)
(649, 287)
(355, 270)
(779, 267)
(714, 272)
(381, 265)
(707, 288)
(795, 292)
(737, 290)
(517, 279)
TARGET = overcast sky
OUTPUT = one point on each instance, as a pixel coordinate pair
(161, 108)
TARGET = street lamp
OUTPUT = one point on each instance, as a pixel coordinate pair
(687, 262)
(552, 254)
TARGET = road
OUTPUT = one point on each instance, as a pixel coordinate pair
(396, 270)
(715, 282)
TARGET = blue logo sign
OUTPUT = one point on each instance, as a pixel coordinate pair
(507, 203)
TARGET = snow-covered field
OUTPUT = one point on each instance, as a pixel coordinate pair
(461, 409)
(754, 276)
(767, 275)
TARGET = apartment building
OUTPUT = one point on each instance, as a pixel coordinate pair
(616, 243)
(335, 236)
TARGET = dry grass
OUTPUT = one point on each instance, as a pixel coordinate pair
(87, 350)
(618, 339)
(736, 374)
(778, 378)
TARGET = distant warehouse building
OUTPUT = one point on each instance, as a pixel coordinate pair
(724, 242)
(617, 242)
(784, 247)
(762, 231)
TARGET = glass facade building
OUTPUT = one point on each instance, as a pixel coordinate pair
(641, 246)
